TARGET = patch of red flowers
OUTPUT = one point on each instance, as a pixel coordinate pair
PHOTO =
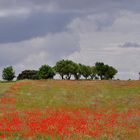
(68, 122)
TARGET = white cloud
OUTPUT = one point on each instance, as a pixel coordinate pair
(104, 45)
(31, 54)
(27, 8)
(15, 12)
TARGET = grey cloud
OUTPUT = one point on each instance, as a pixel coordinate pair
(39, 24)
(35, 52)
(76, 5)
(64, 44)
(92, 5)
(11, 54)
(124, 60)
(130, 45)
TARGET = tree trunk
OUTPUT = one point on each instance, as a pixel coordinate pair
(62, 76)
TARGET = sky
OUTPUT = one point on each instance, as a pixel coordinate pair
(36, 32)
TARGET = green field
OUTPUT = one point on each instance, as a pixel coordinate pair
(56, 94)
(74, 94)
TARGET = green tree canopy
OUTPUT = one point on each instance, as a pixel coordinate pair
(77, 71)
(93, 72)
(46, 72)
(110, 73)
(105, 71)
(28, 74)
(66, 68)
(100, 68)
(85, 70)
(8, 73)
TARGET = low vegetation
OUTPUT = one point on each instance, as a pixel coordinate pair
(70, 110)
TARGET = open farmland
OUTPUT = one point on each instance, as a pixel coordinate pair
(70, 110)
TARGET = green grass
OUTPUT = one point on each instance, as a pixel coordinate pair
(75, 94)
(4, 86)
(121, 95)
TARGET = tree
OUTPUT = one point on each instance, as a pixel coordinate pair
(76, 71)
(93, 72)
(68, 69)
(8, 73)
(105, 71)
(59, 68)
(85, 70)
(46, 72)
(100, 69)
(111, 72)
(28, 74)
(65, 68)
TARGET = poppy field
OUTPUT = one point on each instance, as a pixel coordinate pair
(70, 110)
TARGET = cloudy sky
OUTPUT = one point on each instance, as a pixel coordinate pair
(36, 32)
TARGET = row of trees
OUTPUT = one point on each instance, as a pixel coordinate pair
(66, 69)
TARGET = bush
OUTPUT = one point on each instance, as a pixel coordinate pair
(28, 74)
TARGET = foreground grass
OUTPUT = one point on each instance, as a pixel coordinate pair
(66, 96)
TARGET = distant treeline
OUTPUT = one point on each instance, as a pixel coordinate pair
(66, 69)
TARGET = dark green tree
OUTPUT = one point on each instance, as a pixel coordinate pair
(105, 71)
(46, 72)
(28, 74)
(100, 69)
(110, 73)
(8, 73)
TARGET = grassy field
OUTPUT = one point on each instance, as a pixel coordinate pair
(75, 94)
(68, 97)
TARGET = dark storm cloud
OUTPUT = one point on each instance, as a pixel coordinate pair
(76, 5)
(92, 5)
(39, 24)
(130, 45)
